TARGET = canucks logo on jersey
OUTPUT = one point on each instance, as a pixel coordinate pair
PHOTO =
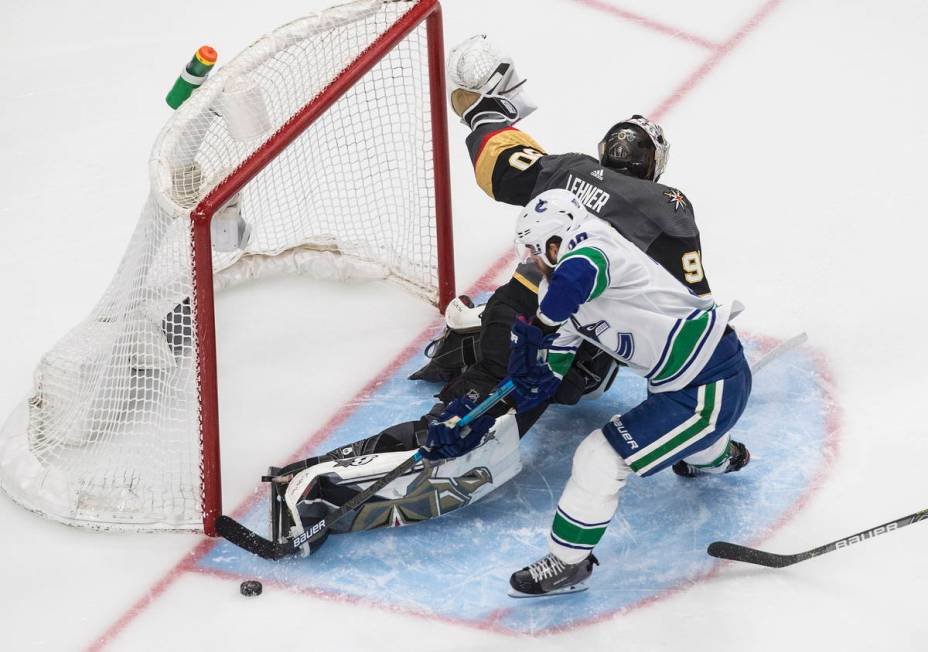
(625, 344)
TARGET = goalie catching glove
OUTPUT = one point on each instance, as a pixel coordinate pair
(487, 87)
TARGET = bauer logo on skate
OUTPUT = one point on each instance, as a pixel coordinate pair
(656, 546)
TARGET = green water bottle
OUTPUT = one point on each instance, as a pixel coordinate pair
(192, 76)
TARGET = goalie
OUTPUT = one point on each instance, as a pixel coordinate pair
(471, 356)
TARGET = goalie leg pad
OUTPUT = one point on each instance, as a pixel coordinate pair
(404, 436)
(430, 490)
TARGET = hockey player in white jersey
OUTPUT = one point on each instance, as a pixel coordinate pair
(600, 288)
(511, 167)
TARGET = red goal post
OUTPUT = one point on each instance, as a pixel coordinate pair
(425, 10)
(320, 148)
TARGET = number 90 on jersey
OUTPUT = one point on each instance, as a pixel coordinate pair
(692, 267)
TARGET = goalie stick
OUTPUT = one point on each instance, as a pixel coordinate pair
(735, 552)
(241, 536)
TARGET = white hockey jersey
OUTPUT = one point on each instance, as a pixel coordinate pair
(630, 307)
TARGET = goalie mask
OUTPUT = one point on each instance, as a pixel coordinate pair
(635, 147)
(554, 214)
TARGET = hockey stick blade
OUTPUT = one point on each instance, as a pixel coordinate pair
(239, 535)
(735, 552)
(792, 343)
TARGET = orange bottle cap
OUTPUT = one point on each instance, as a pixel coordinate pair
(207, 55)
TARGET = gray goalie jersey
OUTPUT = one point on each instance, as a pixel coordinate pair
(511, 167)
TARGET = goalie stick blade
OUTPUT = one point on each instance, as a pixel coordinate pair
(734, 552)
(239, 535)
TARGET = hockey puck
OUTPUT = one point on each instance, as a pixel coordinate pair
(251, 587)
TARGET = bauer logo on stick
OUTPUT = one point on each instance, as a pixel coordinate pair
(863, 536)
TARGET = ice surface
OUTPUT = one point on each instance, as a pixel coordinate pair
(657, 545)
(801, 145)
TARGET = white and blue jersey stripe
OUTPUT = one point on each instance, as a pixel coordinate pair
(607, 291)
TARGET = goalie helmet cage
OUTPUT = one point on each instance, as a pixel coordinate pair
(320, 148)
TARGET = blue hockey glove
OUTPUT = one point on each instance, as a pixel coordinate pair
(528, 367)
(444, 442)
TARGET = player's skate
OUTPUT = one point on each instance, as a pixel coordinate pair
(551, 576)
(740, 456)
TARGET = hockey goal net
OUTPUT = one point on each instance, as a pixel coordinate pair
(322, 147)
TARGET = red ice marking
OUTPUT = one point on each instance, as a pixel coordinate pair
(493, 621)
(484, 283)
(186, 564)
(489, 623)
(830, 453)
(649, 23)
(720, 53)
(189, 562)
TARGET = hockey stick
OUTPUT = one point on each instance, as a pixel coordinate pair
(735, 552)
(239, 535)
(787, 346)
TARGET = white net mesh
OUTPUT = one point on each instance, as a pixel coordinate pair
(110, 437)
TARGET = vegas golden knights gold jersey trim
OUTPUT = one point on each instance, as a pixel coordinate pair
(495, 144)
(524, 281)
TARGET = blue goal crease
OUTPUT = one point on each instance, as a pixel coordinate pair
(656, 542)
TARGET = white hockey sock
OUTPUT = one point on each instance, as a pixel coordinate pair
(589, 500)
